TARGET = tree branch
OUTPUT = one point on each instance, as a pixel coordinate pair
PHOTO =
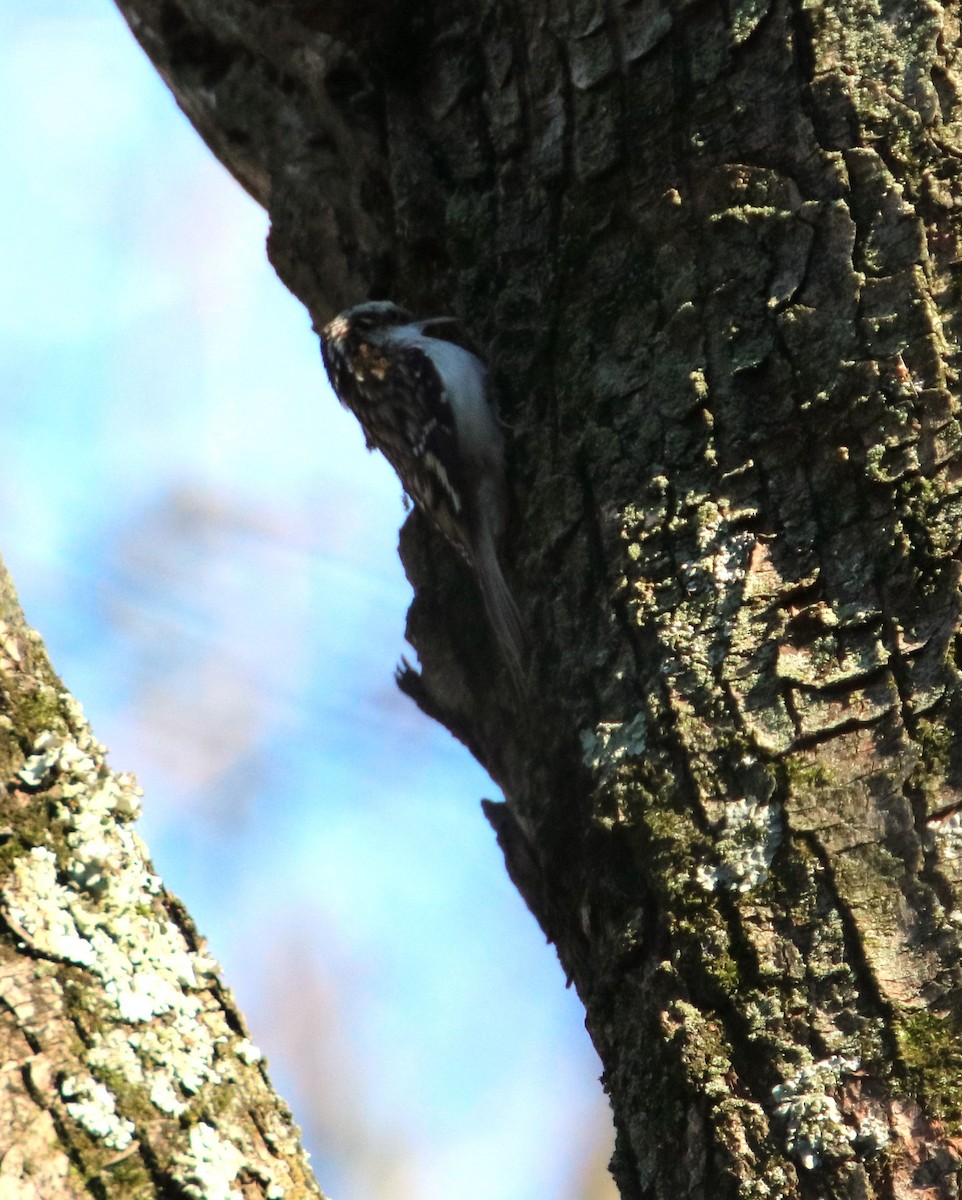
(128, 1068)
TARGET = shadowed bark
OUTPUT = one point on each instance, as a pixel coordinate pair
(711, 254)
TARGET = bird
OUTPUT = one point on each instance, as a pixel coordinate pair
(425, 402)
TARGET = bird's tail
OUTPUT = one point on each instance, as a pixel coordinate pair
(499, 605)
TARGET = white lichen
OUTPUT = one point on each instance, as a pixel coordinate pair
(94, 905)
(88, 897)
(170, 1058)
(274, 1191)
(208, 1169)
(812, 1122)
(746, 840)
(945, 833)
(612, 743)
(723, 546)
(92, 1106)
(873, 1135)
(247, 1052)
(39, 908)
(9, 649)
(164, 1096)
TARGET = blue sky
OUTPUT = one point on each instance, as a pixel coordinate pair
(196, 530)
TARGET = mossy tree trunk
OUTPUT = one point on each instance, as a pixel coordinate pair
(710, 251)
(126, 1068)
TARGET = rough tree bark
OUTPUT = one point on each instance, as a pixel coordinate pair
(127, 1070)
(711, 252)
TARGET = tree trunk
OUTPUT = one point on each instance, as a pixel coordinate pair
(710, 251)
(127, 1069)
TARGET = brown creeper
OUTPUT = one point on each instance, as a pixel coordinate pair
(423, 402)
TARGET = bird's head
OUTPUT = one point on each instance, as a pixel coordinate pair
(365, 319)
